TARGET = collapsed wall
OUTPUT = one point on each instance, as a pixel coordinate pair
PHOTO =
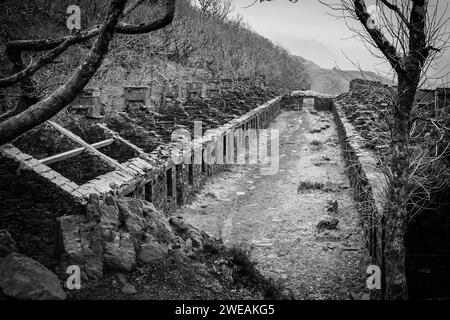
(152, 176)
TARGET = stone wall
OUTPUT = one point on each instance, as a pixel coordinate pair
(33, 196)
(322, 102)
(29, 205)
(153, 177)
(366, 106)
(292, 103)
(366, 181)
(158, 179)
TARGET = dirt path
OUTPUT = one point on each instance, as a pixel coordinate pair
(279, 224)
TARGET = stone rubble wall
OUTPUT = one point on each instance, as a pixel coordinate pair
(291, 103)
(366, 180)
(322, 102)
(21, 172)
(150, 178)
(28, 163)
(118, 233)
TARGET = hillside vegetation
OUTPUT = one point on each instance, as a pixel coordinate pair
(203, 42)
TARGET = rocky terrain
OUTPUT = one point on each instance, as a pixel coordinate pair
(127, 249)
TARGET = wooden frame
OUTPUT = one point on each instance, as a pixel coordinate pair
(88, 147)
(74, 152)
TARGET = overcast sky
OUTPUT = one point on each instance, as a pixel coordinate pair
(307, 29)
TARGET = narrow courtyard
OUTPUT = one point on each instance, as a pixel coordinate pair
(279, 217)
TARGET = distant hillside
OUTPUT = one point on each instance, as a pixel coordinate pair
(334, 81)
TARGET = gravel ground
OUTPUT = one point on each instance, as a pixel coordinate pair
(267, 213)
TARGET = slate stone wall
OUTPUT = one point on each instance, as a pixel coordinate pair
(366, 181)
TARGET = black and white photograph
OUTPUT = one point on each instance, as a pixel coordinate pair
(225, 157)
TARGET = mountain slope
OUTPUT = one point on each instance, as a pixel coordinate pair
(334, 81)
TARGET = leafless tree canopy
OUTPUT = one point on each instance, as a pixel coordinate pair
(28, 115)
(393, 30)
(410, 34)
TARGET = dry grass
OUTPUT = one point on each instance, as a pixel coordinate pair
(309, 185)
(313, 185)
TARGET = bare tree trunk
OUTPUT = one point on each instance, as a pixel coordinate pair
(397, 213)
(45, 109)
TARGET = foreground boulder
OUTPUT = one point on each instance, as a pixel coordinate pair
(119, 253)
(118, 233)
(81, 245)
(7, 243)
(25, 278)
(152, 252)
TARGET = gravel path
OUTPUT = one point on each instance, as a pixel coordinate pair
(266, 213)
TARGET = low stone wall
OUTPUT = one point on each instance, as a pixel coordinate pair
(21, 173)
(366, 181)
(292, 103)
(167, 184)
(29, 205)
(322, 102)
(155, 177)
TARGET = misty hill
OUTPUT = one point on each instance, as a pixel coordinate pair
(335, 81)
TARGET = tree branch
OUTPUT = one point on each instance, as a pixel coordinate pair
(42, 61)
(49, 44)
(125, 28)
(47, 108)
(397, 10)
(377, 36)
(418, 49)
(58, 46)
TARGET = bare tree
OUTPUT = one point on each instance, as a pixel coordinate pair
(409, 35)
(219, 9)
(28, 115)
